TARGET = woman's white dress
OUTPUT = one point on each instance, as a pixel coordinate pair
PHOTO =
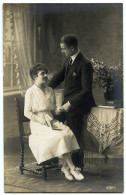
(44, 141)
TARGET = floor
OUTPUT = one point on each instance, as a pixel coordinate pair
(99, 176)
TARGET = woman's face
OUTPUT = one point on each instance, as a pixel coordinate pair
(41, 77)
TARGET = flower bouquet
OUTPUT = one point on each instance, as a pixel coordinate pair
(110, 78)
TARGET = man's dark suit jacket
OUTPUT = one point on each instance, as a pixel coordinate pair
(78, 84)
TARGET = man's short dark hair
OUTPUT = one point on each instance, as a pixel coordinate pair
(70, 40)
(38, 67)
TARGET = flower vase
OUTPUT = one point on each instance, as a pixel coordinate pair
(109, 95)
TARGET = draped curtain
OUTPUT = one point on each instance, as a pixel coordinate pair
(49, 20)
(24, 43)
(37, 34)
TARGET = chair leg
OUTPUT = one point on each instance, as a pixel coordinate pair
(82, 160)
(21, 159)
(44, 172)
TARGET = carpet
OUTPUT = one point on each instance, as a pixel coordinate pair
(97, 179)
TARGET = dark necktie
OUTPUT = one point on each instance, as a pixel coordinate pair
(70, 62)
(69, 65)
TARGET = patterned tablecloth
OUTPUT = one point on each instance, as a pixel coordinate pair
(105, 124)
(102, 127)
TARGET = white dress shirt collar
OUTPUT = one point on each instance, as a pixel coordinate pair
(75, 55)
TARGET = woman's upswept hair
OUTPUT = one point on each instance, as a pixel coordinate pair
(38, 67)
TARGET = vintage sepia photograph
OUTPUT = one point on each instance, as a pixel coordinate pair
(63, 97)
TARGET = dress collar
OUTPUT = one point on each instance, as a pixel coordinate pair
(36, 87)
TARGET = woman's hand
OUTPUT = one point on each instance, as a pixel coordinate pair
(43, 122)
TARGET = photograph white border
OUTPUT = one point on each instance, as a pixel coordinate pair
(1, 80)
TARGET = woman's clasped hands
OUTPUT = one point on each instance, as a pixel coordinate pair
(64, 108)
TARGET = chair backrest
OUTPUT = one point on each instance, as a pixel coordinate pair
(20, 117)
(20, 110)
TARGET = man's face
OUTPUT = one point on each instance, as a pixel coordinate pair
(68, 51)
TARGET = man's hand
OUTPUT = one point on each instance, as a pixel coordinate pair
(58, 110)
(66, 107)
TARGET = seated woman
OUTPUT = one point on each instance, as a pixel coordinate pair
(49, 138)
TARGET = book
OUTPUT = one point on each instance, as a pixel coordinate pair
(106, 106)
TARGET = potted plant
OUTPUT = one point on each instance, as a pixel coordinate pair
(110, 78)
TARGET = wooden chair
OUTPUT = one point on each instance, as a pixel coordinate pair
(53, 163)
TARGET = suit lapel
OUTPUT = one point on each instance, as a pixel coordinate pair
(76, 61)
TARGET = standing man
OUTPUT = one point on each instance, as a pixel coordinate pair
(77, 73)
